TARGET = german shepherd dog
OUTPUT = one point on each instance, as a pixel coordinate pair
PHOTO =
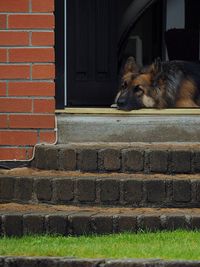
(172, 84)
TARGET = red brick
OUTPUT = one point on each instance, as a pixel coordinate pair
(44, 106)
(42, 6)
(31, 89)
(14, 38)
(3, 19)
(31, 55)
(32, 121)
(31, 21)
(2, 89)
(12, 153)
(3, 55)
(18, 138)
(14, 72)
(29, 153)
(3, 121)
(15, 105)
(14, 5)
(43, 71)
(47, 137)
(43, 38)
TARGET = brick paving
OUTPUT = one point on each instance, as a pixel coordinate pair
(120, 157)
(113, 189)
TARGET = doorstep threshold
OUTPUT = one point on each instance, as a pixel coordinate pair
(140, 112)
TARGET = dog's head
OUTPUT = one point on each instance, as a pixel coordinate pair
(136, 90)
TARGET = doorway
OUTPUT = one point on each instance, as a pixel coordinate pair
(94, 38)
(93, 51)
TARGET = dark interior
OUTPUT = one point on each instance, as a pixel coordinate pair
(96, 49)
(183, 44)
(94, 55)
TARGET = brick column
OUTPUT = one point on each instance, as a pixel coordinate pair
(27, 73)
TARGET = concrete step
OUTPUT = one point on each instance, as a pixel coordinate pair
(74, 262)
(126, 128)
(18, 220)
(170, 158)
(99, 189)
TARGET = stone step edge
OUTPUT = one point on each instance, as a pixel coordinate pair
(145, 159)
(71, 262)
(87, 223)
(101, 191)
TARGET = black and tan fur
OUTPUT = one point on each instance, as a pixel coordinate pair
(173, 84)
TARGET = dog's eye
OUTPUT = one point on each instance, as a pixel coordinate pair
(124, 85)
(138, 90)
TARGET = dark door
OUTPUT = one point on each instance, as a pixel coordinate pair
(92, 52)
(96, 47)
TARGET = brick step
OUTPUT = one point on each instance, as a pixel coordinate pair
(74, 262)
(169, 158)
(18, 219)
(100, 189)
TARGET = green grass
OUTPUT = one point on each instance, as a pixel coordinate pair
(165, 245)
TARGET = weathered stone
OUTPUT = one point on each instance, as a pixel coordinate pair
(155, 190)
(51, 155)
(198, 191)
(63, 190)
(46, 157)
(57, 224)
(7, 188)
(86, 190)
(102, 224)
(43, 188)
(34, 224)
(67, 159)
(174, 222)
(181, 161)
(133, 191)
(87, 160)
(196, 162)
(109, 190)
(13, 225)
(126, 223)
(158, 161)
(181, 191)
(80, 223)
(109, 160)
(149, 223)
(39, 160)
(132, 160)
(23, 189)
(133, 263)
(81, 263)
(195, 222)
(21, 262)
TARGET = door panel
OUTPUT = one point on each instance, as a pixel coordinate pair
(95, 47)
(92, 52)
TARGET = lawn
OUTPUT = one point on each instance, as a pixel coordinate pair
(164, 245)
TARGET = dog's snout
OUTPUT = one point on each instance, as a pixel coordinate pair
(121, 101)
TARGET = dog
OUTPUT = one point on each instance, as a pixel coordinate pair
(170, 84)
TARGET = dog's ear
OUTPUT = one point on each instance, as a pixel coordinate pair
(130, 66)
(156, 67)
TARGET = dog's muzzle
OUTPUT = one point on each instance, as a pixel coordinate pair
(114, 105)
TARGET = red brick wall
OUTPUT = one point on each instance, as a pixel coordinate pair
(27, 74)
